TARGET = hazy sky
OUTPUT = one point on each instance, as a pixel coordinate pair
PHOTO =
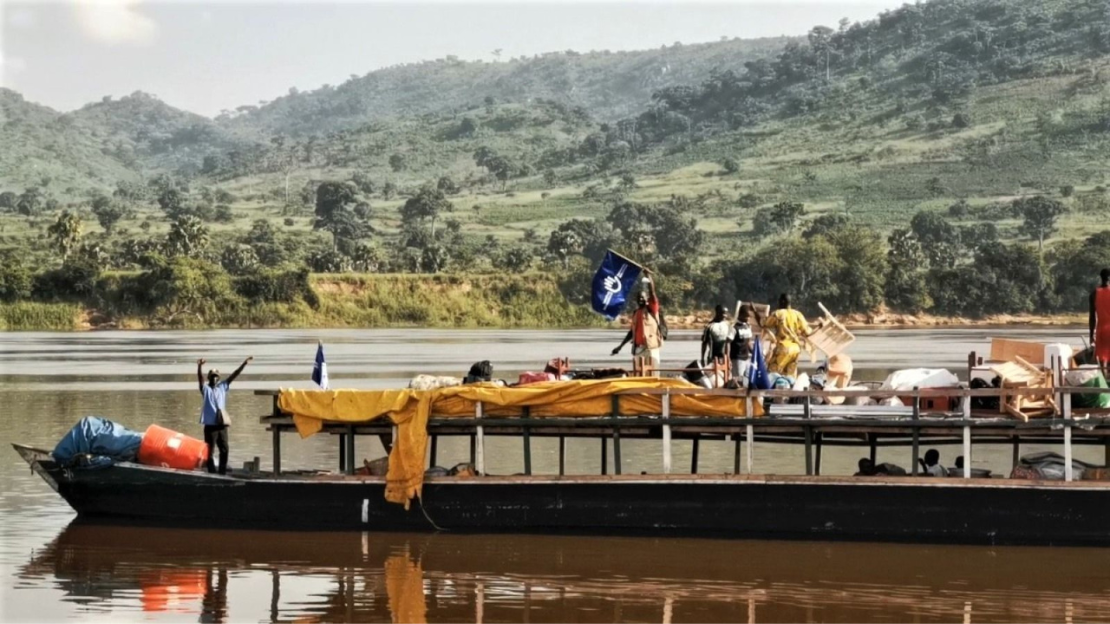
(208, 56)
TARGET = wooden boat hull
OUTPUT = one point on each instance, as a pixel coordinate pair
(991, 511)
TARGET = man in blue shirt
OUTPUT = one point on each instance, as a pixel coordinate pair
(213, 401)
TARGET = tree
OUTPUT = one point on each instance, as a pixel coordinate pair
(939, 239)
(467, 127)
(730, 165)
(781, 218)
(363, 183)
(447, 185)
(239, 259)
(187, 236)
(563, 244)
(749, 201)
(905, 288)
(515, 259)
(627, 182)
(172, 202)
(1039, 214)
(427, 204)
(30, 202)
(65, 233)
(820, 39)
(959, 210)
(107, 212)
(397, 162)
(8, 200)
(223, 214)
(935, 187)
(334, 212)
(389, 189)
(826, 224)
(15, 277)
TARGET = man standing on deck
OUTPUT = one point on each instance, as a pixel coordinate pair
(213, 411)
(646, 333)
(741, 349)
(715, 342)
(790, 330)
(1099, 323)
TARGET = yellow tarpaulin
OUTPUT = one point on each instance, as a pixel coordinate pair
(411, 409)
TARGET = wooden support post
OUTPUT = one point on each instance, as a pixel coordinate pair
(808, 412)
(350, 450)
(694, 456)
(472, 450)
(616, 433)
(749, 432)
(1068, 471)
(817, 459)
(342, 452)
(277, 449)
(562, 455)
(1017, 452)
(667, 434)
(749, 452)
(604, 455)
(736, 454)
(526, 413)
(1106, 451)
(916, 431)
(967, 437)
(479, 442)
(432, 451)
(873, 442)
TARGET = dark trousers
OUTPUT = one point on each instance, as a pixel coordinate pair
(216, 435)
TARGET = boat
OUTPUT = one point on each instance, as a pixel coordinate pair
(742, 504)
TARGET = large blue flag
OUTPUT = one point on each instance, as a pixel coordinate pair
(613, 282)
(320, 368)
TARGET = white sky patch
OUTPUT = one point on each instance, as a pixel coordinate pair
(9, 67)
(115, 22)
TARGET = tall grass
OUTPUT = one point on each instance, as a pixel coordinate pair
(39, 316)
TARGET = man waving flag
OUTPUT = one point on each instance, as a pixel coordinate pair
(320, 368)
(613, 282)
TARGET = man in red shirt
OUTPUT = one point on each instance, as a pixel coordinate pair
(645, 334)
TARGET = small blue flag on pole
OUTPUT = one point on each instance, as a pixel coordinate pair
(320, 368)
(613, 282)
(758, 377)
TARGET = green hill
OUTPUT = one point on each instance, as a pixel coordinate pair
(947, 156)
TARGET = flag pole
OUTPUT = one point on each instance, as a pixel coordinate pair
(630, 261)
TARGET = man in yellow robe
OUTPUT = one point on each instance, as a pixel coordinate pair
(790, 330)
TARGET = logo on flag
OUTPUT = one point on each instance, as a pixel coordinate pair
(320, 368)
(613, 281)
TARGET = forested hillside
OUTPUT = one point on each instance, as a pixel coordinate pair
(946, 157)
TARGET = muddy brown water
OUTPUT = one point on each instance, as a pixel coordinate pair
(53, 568)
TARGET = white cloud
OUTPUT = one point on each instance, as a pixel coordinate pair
(115, 21)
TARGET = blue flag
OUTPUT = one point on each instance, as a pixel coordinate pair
(320, 368)
(613, 282)
(758, 379)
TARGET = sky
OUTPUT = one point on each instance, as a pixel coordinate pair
(209, 56)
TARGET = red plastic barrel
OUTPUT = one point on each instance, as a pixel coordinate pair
(170, 449)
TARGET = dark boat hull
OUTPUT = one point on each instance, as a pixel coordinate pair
(876, 509)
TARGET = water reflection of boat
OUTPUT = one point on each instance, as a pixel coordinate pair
(447, 577)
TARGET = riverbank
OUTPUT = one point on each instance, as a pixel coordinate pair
(398, 301)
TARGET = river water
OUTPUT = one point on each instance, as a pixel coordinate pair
(53, 568)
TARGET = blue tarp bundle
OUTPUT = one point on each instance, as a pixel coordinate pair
(102, 439)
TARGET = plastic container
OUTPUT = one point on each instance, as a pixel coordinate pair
(1061, 352)
(170, 449)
